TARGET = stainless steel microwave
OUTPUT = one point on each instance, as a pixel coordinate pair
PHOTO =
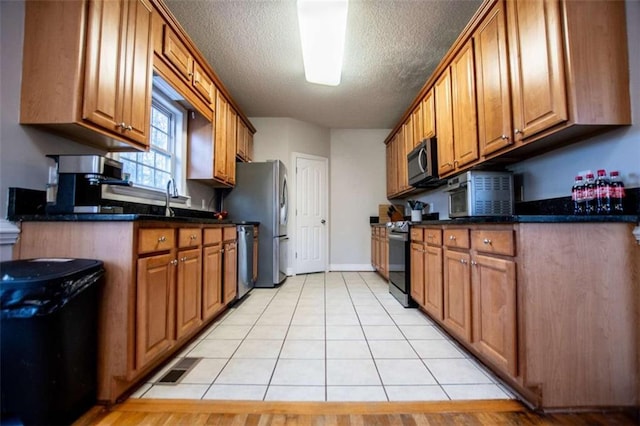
(422, 165)
(480, 193)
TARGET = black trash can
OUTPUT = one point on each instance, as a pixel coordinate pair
(48, 327)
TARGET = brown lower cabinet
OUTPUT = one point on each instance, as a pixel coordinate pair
(380, 250)
(230, 261)
(164, 282)
(549, 307)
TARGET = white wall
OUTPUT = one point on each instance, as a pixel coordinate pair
(279, 139)
(357, 186)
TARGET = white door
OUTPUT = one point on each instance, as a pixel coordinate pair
(311, 215)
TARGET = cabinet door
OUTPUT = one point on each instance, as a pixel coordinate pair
(241, 141)
(392, 165)
(136, 93)
(373, 248)
(428, 115)
(463, 95)
(418, 131)
(104, 63)
(177, 54)
(211, 281)
(537, 66)
(417, 273)
(494, 311)
(117, 93)
(444, 123)
(249, 152)
(492, 80)
(154, 307)
(384, 254)
(433, 297)
(457, 293)
(220, 137)
(188, 292)
(232, 126)
(230, 281)
(203, 84)
(401, 158)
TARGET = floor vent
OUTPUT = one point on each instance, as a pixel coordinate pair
(178, 371)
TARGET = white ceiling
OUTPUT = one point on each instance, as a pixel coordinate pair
(391, 49)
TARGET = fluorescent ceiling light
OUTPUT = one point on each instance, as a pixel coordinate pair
(323, 24)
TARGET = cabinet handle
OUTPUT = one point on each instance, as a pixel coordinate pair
(504, 137)
(487, 241)
(429, 237)
(193, 237)
(474, 263)
(517, 131)
(221, 250)
(174, 262)
(452, 237)
(464, 262)
(162, 239)
(129, 127)
(122, 125)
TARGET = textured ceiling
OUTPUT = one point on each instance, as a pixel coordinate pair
(391, 49)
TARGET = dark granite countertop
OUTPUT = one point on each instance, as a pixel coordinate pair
(534, 219)
(131, 217)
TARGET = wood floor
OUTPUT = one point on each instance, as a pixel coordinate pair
(490, 412)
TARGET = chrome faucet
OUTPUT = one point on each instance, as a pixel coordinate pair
(172, 192)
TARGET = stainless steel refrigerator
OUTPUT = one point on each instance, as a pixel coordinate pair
(260, 195)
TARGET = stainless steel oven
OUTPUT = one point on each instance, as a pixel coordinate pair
(399, 267)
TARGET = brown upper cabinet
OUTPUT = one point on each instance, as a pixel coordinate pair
(463, 101)
(244, 150)
(428, 116)
(180, 57)
(492, 82)
(548, 71)
(456, 114)
(100, 94)
(444, 123)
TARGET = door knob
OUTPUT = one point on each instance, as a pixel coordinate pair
(323, 221)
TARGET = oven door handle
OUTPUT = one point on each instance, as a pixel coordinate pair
(398, 237)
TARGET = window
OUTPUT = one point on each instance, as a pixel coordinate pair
(150, 171)
(153, 169)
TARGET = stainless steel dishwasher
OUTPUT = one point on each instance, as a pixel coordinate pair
(245, 259)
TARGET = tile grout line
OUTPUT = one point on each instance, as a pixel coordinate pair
(266, 392)
(213, 382)
(373, 359)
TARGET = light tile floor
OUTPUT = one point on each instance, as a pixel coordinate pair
(327, 337)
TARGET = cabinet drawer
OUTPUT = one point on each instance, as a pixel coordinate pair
(417, 234)
(212, 236)
(203, 83)
(433, 236)
(177, 53)
(189, 237)
(458, 238)
(229, 233)
(494, 241)
(150, 240)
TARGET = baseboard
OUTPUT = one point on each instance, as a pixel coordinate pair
(351, 267)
